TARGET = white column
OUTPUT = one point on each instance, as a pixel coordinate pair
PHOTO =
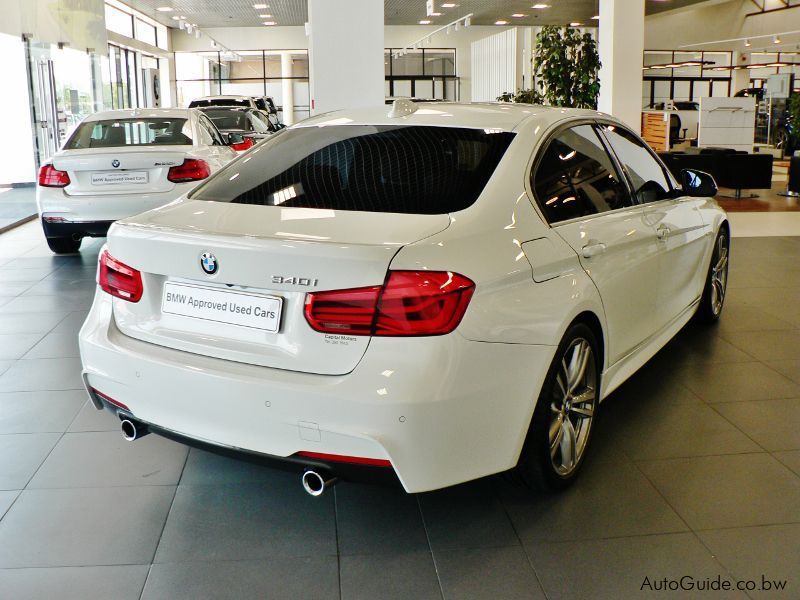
(287, 88)
(345, 54)
(621, 47)
(740, 79)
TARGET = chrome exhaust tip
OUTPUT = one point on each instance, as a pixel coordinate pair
(131, 430)
(315, 484)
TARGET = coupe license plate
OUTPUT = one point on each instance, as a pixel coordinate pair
(222, 306)
(119, 178)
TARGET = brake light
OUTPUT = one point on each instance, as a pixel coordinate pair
(118, 279)
(49, 176)
(192, 169)
(244, 145)
(410, 303)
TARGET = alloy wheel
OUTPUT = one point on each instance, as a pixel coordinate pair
(719, 274)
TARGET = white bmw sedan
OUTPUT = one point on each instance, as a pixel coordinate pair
(439, 293)
(122, 162)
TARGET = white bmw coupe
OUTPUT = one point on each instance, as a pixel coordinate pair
(121, 162)
(438, 293)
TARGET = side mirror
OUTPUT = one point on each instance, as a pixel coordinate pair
(698, 184)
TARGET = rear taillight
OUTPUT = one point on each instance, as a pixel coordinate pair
(410, 303)
(49, 176)
(118, 279)
(244, 145)
(192, 169)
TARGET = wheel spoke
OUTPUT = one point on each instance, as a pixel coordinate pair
(578, 364)
(568, 442)
(556, 434)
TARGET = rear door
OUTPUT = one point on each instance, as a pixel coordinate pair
(682, 235)
(588, 204)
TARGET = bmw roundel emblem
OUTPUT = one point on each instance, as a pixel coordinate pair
(209, 263)
(115, 163)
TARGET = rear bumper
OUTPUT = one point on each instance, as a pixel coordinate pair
(443, 410)
(80, 229)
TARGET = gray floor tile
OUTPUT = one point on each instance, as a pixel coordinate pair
(748, 318)
(55, 345)
(768, 345)
(42, 374)
(638, 508)
(91, 419)
(74, 583)
(737, 490)
(71, 324)
(649, 429)
(621, 568)
(10, 290)
(208, 468)
(39, 412)
(102, 459)
(12, 275)
(737, 382)
(30, 323)
(35, 304)
(487, 573)
(21, 455)
(466, 516)
(376, 519)
(750, 553)
(76, 527)
(771, 423)
(7, 498)
(789, 368)
(5, 365)
(247, 521)
(15, 345)
(401, 575)
(699, 345)
(278, 578)
(791, 459)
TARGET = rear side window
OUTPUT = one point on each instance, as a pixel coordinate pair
(130, 132)
(575, 177)
(395, 169)
(648, 177)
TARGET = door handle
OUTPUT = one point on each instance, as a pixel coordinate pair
(662, 232)
(593, 248)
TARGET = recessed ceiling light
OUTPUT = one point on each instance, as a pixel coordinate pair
(596, 18)
(518, 15)
(265, 16)
(501, 22)
(448, 5)
(269, 23)
(165, 9)
(260, 6)
(425, 22)
(574, 24)
(435, 14)
(176, 18)
(540, 6)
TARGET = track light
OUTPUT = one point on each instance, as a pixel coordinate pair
(747, 43)
(776, 40)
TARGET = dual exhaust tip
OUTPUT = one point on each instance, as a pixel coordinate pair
(314, 483)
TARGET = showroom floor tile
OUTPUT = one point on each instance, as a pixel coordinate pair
(695, 470)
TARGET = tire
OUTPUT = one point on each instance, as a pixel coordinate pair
(716, 284)
(559, 417)
(64, 245)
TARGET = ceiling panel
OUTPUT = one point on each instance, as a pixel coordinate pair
(240, 13)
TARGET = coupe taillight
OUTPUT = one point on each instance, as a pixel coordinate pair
(118, 279)
(245, 144)
(192, 169)
(410, 303)
(49, 176)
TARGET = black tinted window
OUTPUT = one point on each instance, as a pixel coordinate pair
(398, 169)
(650, 182)
(219, 102)
(115, 133)
(575, 177)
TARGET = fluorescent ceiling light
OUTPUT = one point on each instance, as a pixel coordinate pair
(540, 6)
(596, 18)
(501, 22)
(265, 16)
(165, 9)
(574, 24)
(518, 15)
(260, 6)
(175, 18)
(448, 5)
(268, 23)
(435, 14)
(425, 22)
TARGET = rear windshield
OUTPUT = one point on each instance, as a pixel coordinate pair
(220, 102)
(395, 169)
(229, 119)
(130, 132)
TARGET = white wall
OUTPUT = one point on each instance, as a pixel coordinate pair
(494, 66)
(16, 152)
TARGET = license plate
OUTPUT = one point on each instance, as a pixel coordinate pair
(222, 306)
(119, 178)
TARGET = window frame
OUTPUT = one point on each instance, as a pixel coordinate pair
(538, 155)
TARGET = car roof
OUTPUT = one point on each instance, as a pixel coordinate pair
(225, 97)
(247, 109)
(139, 113)
(503, 116)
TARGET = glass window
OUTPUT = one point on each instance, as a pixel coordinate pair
(129, 132)
(575, 177)
(440, 62)
(374, 168)
(409, 64)
(145, 32)
(649, 178)
(119, 21)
